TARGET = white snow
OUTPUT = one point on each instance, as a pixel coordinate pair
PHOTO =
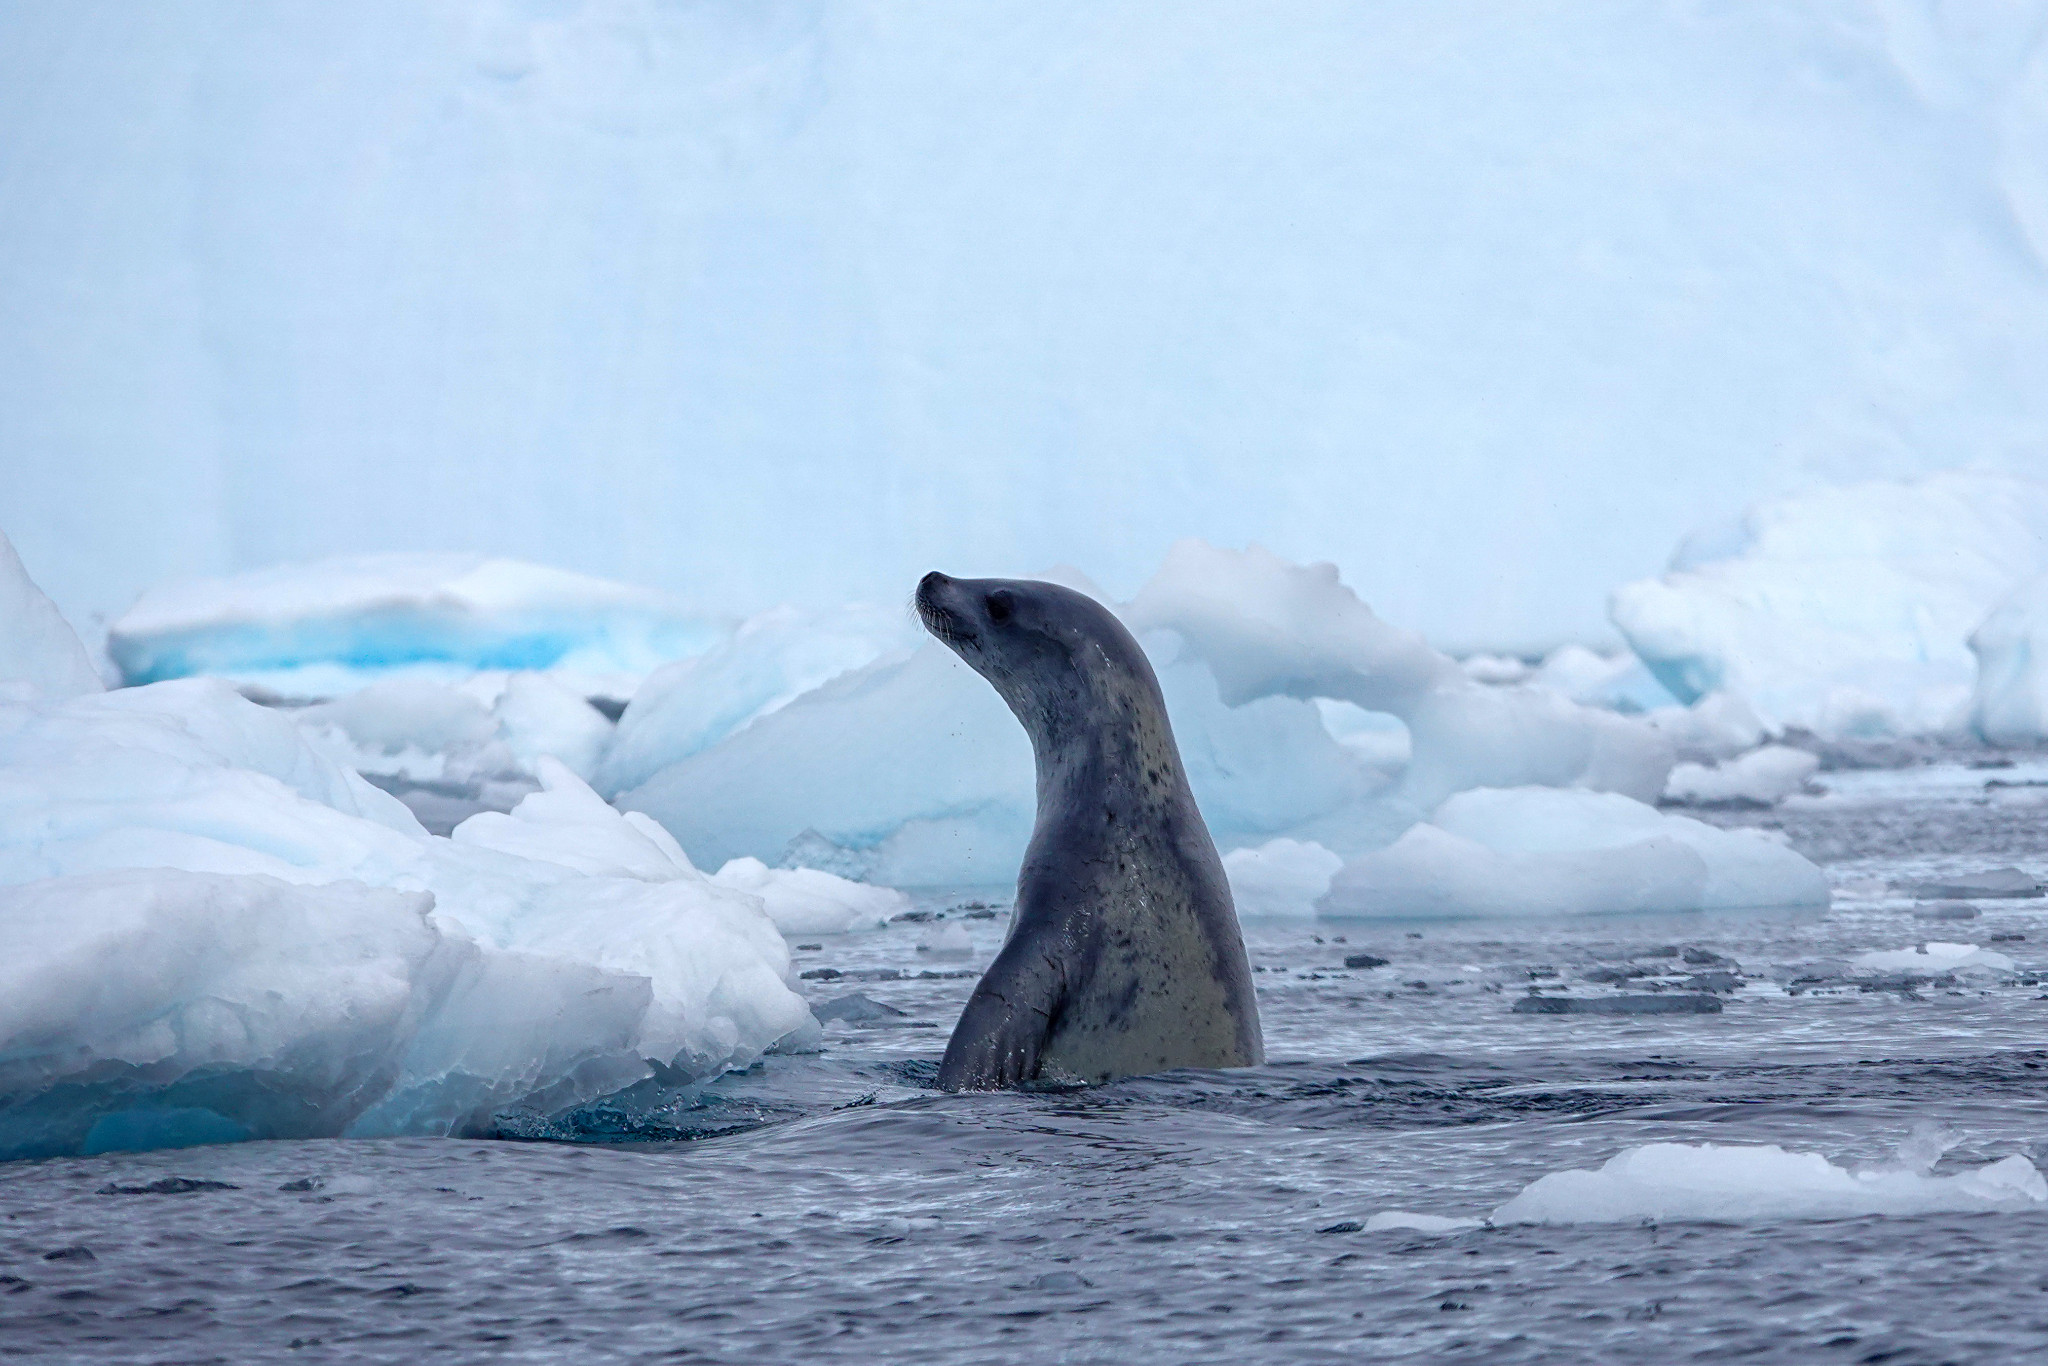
(1543, 851)
(38, 650)
(1279, 879)
(1766, 775)
(1935, 958)
(298, 628)
(1727, 1183)
(2010, 703)
(1844, 610)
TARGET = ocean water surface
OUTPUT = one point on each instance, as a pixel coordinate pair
(835, 1207)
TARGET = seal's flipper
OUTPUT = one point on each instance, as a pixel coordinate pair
(1002, 1032)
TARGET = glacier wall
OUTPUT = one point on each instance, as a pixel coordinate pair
(753, 301)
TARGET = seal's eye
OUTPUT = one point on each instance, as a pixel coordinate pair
(998, 605)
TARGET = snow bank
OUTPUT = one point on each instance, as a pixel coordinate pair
(1281, 878)
(1934, 959)
(1843, 610)
(300, 628)
(1764, 777)
(37, 648)
(1730, 1183)
(569, 949)
(1540, 851)
(2009, 705)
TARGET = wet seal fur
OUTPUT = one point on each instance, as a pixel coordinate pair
(1124, 955)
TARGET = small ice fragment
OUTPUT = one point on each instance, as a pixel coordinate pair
(1998, 883)
(856, 1009)
(1934, 958)
(1418, 1223)
(947, 940)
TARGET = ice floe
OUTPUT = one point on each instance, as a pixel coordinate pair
(321, 628)
(1280, 878)
(1845, 611)
(1763, 777)
(1935, 959)
(1728, 1183)
(1550, 851)
(400, 982)
(1741, 1183)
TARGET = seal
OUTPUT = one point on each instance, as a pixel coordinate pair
(1124, 955)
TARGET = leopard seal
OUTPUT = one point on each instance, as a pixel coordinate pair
(1124, 955)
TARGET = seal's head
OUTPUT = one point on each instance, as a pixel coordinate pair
(1055, 655)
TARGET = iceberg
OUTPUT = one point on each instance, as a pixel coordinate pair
(1549, 851)
(770, 661)
(39, 651)
(315, 629)
(1845, 611)
(2009, 704)
(1280, 879)
(295, 955)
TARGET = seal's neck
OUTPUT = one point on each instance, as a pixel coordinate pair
(1089, 761)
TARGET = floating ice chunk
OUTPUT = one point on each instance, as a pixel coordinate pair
(1280, 878)
(2009, 705)
(1843, 610)
(283, 1008)
(383, 611)
(1729, 1183)
(1269, 628)
(1934, 959)
(1764, 776)
(569, 825)
(1418, 1223)
(770, 661)
(1718, 726)
(38, 648)
(1619, 682)
(809, 901)
(593, 950)
(1544, 851)
(949, 940)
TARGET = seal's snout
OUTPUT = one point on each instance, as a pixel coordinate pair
(936, 611)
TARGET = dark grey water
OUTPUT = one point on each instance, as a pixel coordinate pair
(839, 1210)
